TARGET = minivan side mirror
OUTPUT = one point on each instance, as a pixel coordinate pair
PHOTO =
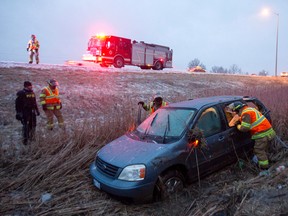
(196, 138)
(194, 144)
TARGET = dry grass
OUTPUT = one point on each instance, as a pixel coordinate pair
(98, 107)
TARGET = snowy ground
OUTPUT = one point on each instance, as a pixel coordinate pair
(89, 91)
(92, 87)
(85, 66)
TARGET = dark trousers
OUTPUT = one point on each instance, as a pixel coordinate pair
(29, 126)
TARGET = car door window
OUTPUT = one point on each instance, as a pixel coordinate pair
(229, 114)
(209, 122)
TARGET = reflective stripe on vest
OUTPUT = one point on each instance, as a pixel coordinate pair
(269, 133)
(263, 163)
(260, 126)
(51, 99)
(32, 45)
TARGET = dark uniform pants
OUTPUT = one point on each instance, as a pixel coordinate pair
(29, 127)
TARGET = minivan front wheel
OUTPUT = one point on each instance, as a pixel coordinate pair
(168, 184)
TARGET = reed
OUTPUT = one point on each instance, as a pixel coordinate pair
(57, 162)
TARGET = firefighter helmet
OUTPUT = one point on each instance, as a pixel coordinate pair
(53, 82)
(33, 36)
(236, 106)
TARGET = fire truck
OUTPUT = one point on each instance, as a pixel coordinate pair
(110, 50)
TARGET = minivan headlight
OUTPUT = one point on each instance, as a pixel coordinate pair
(133, 173)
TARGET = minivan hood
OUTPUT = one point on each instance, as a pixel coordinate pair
(126, 151)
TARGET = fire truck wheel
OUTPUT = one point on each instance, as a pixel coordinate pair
(118, 62)
(158, 66)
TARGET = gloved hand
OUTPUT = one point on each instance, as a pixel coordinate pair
(19, 116)
(141, 102)
(44, 107)
(27, 49)
(238, 126)
(234, 121)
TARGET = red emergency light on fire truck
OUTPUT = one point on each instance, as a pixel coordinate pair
(110, 50)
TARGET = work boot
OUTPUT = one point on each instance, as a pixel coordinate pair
(263, 167)
(30, 62)
(25, 141)
(254, 160)
(264, 173)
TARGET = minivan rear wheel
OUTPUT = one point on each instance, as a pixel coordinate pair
(168, 184)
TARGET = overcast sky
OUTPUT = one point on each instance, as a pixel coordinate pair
(217, 32)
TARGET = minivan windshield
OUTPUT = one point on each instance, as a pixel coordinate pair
(166, 122)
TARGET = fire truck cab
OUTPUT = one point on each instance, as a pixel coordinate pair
(118, 51)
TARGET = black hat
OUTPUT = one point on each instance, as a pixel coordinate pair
(27, 83)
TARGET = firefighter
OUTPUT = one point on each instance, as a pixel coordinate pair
(51, 104)
(155, 104)
(33, 49)
(26, 111)
(260, 128)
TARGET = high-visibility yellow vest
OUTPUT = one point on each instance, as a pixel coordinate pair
(33, 45)
(50, 98)
(259, 126)
(151, 107)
